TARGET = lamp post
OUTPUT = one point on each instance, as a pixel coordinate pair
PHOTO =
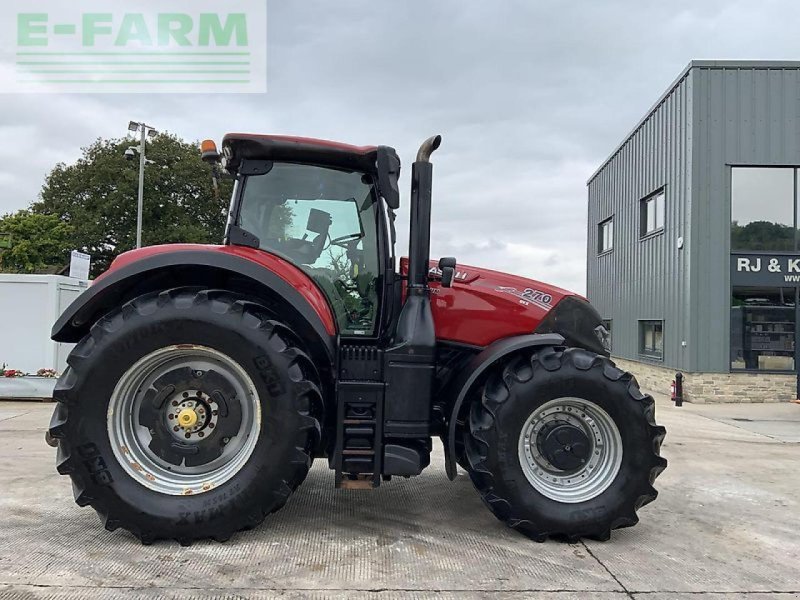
(145, 131)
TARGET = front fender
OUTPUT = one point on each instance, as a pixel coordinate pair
(475, 370)
(215, 266)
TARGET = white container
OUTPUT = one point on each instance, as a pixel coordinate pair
(29, 305)
(27, 388)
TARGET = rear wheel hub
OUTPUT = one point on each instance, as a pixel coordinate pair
(187, 418)
(191, 415)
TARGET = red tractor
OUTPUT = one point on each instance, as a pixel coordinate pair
(206, 379)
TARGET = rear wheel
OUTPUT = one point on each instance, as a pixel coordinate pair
(563, 444)
(186, 414)
(195, 425)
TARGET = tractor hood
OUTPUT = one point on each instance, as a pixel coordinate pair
(484, 306)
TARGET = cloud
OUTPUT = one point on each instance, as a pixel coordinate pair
(530, 98)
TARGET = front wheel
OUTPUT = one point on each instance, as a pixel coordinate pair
(186, 414)
(563, 444)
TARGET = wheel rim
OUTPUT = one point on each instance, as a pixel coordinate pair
(570, 450)
(184, 419)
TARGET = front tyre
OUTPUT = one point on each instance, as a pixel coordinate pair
(186, 414)
(563, 444)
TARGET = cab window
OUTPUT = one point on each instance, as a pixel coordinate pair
(323, 220)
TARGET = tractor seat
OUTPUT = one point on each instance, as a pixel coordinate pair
(302, 252)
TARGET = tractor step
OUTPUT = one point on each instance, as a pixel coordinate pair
(358, 455)
(359, 435)
(359, 482)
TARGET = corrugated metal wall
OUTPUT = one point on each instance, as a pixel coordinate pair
(717, 114)
(646, 278)
(744, 114)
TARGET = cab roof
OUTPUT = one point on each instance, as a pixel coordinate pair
(250, 146)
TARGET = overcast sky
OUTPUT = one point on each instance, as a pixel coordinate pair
(529, 96)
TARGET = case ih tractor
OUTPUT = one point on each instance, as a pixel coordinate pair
(206, 379)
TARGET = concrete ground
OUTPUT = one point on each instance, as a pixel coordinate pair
(726, 525)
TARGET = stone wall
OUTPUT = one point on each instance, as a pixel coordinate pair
(715, 387)
(650, 377)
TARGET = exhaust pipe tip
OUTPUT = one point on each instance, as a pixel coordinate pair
(428, 147)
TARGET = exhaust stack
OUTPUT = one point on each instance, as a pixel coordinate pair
(420, 231)
(410, 363)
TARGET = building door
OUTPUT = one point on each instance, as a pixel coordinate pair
(765, 270)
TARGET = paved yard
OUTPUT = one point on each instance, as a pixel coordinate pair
(727, 524)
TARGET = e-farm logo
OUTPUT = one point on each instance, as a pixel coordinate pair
(174, 46)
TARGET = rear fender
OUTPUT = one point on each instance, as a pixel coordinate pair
(206, 267)
(475, 371)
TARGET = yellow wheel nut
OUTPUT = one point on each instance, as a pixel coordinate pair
(187, 418)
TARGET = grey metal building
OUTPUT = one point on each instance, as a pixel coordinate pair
(693, 254)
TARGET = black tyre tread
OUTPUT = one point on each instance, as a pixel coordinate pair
(498, 389)
(252, 315)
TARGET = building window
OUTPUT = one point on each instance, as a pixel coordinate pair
(762, 329)
(605, 236)
(652, 214)
(651, 339)
(762, 209)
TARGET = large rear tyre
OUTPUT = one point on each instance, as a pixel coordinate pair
(186, 414)
(563, 444)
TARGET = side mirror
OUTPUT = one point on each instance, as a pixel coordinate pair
(388, 173)
(447, 266)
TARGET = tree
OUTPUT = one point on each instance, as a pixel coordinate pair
(38, 242)
(97, 198)
(762, 235)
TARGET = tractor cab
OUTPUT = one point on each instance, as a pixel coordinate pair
(325, 221)
(327, 208)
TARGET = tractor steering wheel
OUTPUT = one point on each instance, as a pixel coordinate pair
(342, 241)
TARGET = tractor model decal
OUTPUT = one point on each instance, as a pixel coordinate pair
(529, 296)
